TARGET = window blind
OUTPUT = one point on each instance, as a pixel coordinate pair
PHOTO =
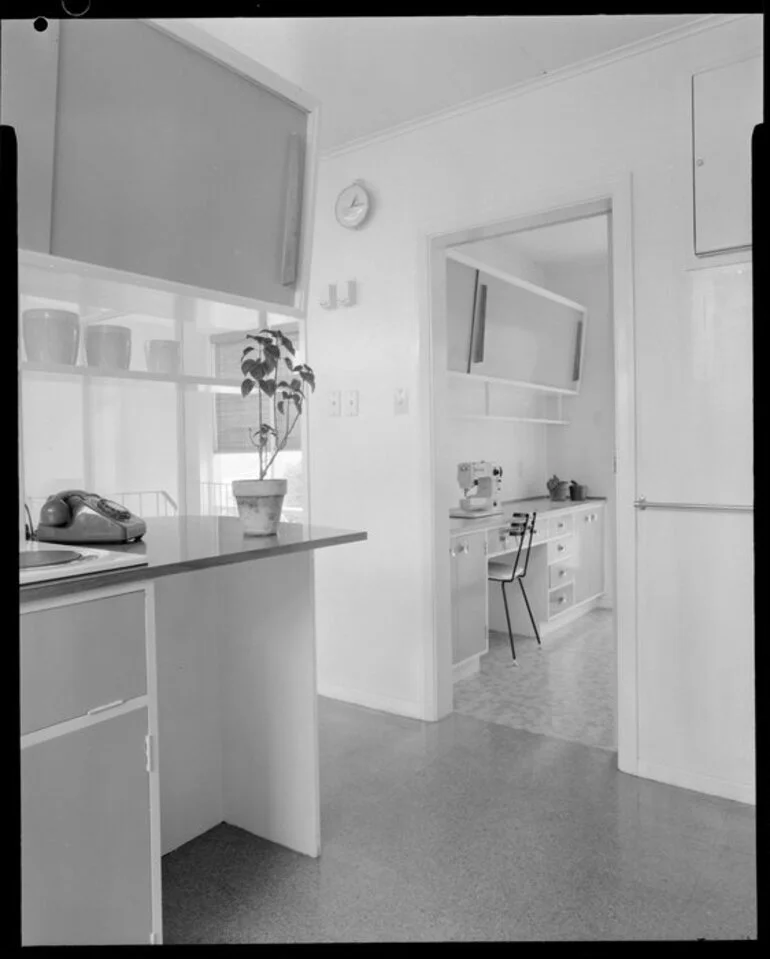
(234, 415)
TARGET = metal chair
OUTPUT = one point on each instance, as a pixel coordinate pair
(502, 572)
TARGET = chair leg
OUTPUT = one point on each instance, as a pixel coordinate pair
(529, 610)
(508, 620)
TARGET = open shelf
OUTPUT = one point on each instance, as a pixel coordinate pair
(510, 419)
(56, 369)
(500, 381)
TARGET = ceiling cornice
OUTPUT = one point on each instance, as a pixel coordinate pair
(628, 50)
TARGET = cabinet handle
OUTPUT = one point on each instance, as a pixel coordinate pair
(560, 600)
(560, 526)
(100, 709)
(560, 548)
(293, 211)
(562, 572)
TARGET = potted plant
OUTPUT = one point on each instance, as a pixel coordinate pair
(280, 397)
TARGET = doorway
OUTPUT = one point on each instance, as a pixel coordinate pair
(582, 248)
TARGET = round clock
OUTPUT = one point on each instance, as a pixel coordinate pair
(353, 206)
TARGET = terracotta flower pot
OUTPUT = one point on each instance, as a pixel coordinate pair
(259, 505)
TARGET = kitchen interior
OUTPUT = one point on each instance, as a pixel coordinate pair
(171, 665)
(162, 614)
(531, 391)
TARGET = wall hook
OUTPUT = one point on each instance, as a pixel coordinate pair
(331, 302)
(350, 299)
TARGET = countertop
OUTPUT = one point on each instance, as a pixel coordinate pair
(181, 543)
(535, 504)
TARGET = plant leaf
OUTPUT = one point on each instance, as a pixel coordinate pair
(246, 387)
(285, 342)
(288, 362)
(279, 406)
(308, 376)
(247, 349)
(267, 387)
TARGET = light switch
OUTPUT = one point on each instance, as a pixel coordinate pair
(334, 403)
(351, 403)
(401, 402)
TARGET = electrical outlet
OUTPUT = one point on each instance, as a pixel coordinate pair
(334, 403)
(401, 402)
(351, 403)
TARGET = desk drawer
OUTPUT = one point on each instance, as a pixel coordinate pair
(559, 549)
(562, 524)
(559, 574)
(560, 599)
(78, 657)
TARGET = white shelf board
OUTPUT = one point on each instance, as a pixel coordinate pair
(454, 254)
(509, 419)
(57, 266)
(56, 369)
(499, 381)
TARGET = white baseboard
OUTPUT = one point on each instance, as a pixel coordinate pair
(570, 615)
(468, 667)
(698, 782)
(385, 704)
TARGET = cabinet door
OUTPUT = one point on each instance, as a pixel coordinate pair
(169, 164)
(727, 104)
(589, 572)
(85, 810)
(29, 61)
(460, 290)
(469, 596)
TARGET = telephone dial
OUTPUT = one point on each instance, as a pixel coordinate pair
(74, 516)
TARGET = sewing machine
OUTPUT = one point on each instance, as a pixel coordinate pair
(481, 483)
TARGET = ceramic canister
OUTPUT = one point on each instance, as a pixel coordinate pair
(51, 336)
(163, 356)
(108, 346)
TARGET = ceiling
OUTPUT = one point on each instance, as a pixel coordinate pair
(571, 242)
(375, 73)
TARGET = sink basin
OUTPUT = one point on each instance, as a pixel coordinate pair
(47, 557)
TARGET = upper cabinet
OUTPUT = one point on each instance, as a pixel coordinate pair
(29, 61)
(727, 105)
(501, 327)
(172, 157)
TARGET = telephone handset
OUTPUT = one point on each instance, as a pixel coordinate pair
(75, 516)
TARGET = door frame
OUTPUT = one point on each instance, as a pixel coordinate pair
(549, 206)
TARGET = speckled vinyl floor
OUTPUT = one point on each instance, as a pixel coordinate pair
(465, 830)
(565, 689)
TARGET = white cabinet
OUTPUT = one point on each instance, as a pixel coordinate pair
(158, 158)
(469, 596)
(589, 567)
(86, 851)
(29, 61)
(90, 817)
(727, 104)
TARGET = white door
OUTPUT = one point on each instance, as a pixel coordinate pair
(695, 537)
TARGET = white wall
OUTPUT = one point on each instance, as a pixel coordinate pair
(375, 600)
(583, 450)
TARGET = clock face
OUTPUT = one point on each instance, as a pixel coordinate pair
(352, 206)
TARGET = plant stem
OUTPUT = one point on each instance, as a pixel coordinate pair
(281, 446)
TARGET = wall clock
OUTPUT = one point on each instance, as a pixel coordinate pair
(353, 205)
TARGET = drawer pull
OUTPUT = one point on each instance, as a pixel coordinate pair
(562, 572)
(100, 709)
(561, 600)
(560, 548)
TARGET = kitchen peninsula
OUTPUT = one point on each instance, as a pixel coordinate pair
(156, 702)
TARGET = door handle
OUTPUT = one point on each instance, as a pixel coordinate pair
(642, 503)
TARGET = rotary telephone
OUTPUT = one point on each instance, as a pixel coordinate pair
(75, 516)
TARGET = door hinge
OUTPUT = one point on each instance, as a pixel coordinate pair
(148, 754)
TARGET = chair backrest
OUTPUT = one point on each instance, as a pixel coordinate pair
(523, 527)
